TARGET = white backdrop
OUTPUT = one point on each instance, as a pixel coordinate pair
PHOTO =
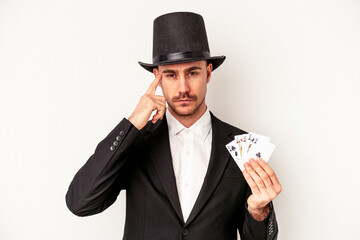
(69, 74)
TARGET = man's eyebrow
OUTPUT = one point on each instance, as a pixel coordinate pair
(186, 70)
(192, 69)
(168, 71)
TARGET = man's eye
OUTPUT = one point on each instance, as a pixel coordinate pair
(192, 73)
(170, 75)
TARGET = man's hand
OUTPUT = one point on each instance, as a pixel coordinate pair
(264, 186)
(147, 104)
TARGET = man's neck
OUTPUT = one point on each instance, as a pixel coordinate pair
(188, 121)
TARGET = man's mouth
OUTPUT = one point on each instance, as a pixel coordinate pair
(184, 100)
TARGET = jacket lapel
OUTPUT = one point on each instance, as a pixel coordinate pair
(159, 148)
(219, 158)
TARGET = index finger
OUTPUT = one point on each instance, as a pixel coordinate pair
(154, 84)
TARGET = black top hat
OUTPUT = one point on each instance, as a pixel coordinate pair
(180, 37)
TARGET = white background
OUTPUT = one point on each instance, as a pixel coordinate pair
(69, 74)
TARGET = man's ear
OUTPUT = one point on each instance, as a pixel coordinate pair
(156, 72)
(209, 68)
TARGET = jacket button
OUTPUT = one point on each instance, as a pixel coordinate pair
(185, 232)
(115, 143)
(121, 133)
(112, 148)
(118, 138)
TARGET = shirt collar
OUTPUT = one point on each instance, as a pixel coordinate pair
(200, 128)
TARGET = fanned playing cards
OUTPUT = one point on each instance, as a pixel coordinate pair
(250, 145)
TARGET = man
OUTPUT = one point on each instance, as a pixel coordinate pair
(181, 182)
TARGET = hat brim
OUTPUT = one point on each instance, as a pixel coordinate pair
(215, 61)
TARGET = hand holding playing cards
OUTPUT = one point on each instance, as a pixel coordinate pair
(147, 104)
(264, 186)
(261, 178)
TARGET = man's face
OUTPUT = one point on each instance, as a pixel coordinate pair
(184, 86)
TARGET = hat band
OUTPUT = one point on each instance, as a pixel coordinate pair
(180, 55)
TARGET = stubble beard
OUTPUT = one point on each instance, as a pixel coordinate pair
(189, 113)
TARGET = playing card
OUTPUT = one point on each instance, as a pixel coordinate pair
(237, 144)
(233, 149)
(253, 140)
(263, 150)
(240, 141)
(251, 145)
(260, 137)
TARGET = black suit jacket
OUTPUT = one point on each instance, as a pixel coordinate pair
(140, 162)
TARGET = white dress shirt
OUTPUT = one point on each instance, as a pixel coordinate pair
(190, 151)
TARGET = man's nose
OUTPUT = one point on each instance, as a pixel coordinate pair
(183, 85)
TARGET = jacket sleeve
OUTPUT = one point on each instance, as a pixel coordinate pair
(97, 184)
(250, 228)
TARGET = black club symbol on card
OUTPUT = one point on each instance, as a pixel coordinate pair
(258, 155)
(232, 148)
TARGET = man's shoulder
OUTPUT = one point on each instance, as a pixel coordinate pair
(216, 123)
(227, 127)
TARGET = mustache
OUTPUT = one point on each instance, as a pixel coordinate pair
(186, 96)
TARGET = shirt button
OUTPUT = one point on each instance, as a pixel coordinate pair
(112, 148)
(188, 152)
(118, 138)
(121, 133)
(185, 232)
(186, 131)
(186, 183)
